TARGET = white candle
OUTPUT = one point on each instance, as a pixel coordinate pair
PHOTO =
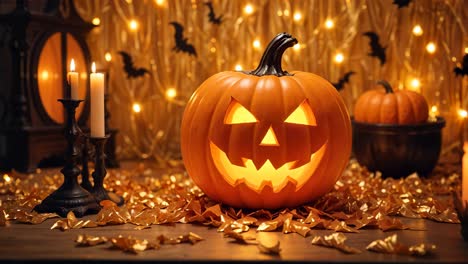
(465, 173)
(97, 103)
(73, 81)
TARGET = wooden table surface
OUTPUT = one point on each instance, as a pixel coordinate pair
(26, 242)
(37, 242)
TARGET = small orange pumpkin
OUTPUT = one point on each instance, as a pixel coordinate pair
(266, 138)
(391, 107)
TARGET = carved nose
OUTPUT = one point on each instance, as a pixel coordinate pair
(269, 139)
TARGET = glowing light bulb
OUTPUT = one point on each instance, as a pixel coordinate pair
(45, 75)
(466, 50)
(297, 47)
(133, 25)
(415, 84)
(434, 109)
(93, 67)
(136, 107)
(256, 44)
(329, 24)
(108, 56)
(96, 21)
(248, 9)
(417, 30)
(297, 16)
(238, 67)
(339, 58)
(463, 113)
(171, 93)
(160, 2)
(431, 47)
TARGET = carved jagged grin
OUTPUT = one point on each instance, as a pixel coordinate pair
(257, 179)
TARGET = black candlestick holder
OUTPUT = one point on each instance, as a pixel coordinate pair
(70, 196)
(85, 182)
(98, 190)
(461, 207)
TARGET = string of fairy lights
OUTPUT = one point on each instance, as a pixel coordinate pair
(329, 28)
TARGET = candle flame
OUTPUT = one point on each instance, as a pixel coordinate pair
(93, 67)
(72, 65)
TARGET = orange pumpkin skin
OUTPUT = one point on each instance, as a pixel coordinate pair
(391, 107)
(216, 149)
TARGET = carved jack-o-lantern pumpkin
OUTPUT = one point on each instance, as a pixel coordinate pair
(266, 138)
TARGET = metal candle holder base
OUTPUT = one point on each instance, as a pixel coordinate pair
(98, 190)
(70, 196)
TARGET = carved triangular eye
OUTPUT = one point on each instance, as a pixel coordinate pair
(238, 114)
(303, 115)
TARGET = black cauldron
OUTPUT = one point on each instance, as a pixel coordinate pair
(398, 150)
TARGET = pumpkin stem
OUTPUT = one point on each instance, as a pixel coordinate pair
(386, 85)
(270, 64)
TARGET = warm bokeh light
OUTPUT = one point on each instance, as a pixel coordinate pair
(415, 84)
(431, 47)
(248, 9)
(96, 21)
(329, 24)
(297, 47)
(279, 13)
(286, 12)
(238, 67)
(466, 50)
(108, 56)
(45, 75)
(256, 44)
(160, 2)
(171, 93)
(434, 109)
(133, 25)
(417, 30)
(136, 107)
(339, 58)
(463, 113)
(297, 16)
(93, 67)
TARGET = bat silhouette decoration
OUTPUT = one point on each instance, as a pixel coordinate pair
(464, 67)
(377, 50)
(181, 43)
(401, 3)
(342, 81)
(129, 67)
(212, 16)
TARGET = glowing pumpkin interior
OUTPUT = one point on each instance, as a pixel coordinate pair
(257, 178)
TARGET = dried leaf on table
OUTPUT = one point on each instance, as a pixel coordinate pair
(133, 245)
(89, 241)
(269, 247)
(72, 223)
(391, 245)
(271, 225)
(335, 240)
(240, 238)
(293, 226)
(389, 223)
(340, 226)
(191, 238)
(33, 217)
